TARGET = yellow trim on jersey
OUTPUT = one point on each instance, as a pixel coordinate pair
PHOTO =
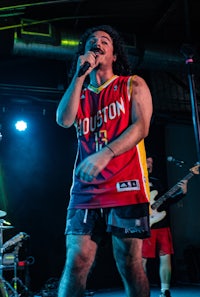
(130, 86)
(143, 162)
(99, 89)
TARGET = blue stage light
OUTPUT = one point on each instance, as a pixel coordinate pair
(21, 125)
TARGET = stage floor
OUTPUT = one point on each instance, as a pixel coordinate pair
(178, 291)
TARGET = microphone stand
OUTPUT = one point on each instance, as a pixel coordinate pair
(188, 53)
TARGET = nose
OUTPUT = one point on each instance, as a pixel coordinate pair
(96, 41)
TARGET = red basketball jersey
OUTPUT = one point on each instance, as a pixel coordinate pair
(103, 114)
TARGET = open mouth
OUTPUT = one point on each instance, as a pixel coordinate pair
(97, 51)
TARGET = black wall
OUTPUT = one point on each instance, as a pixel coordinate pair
(36, 170)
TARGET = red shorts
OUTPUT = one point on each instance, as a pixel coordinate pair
(160, 243)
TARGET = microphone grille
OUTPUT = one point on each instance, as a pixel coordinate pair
(169, 158)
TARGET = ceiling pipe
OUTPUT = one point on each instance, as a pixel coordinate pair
(33, 4)
(154, 56)
(46, 51)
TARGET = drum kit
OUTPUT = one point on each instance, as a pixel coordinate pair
(10, 259)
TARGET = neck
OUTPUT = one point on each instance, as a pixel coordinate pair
(98, 78)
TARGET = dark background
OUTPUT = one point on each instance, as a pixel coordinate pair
(36, 166)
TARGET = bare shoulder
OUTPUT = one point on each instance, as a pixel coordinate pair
(138, 81)
(139, 85)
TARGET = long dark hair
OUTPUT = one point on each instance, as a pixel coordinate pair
(121, 66)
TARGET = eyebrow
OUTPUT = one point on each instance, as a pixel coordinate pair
(102, 36)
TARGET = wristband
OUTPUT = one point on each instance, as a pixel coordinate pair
(111, 150)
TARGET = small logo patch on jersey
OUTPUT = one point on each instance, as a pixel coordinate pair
(128, 185)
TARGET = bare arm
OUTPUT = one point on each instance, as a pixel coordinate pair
(68, 106)
(141, 117)
(138, 130)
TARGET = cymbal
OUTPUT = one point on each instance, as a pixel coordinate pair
(6, 227)
(2, 213)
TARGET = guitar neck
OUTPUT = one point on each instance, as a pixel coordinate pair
(169, 193)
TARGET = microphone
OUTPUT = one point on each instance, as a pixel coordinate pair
(173, 160)
(86, 65)
(83, 68)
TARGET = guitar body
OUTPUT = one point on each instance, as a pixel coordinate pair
(155, 216)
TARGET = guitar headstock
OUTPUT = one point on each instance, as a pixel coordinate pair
(195, 169)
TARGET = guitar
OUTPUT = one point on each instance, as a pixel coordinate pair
(157, 216)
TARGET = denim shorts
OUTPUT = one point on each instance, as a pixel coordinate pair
(123, 221)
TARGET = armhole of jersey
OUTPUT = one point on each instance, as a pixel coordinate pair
(142, 155)
(130, 86)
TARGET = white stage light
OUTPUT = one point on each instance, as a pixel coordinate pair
(21, 125)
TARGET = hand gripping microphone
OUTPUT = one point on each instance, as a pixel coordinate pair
(85, 65)
(83, 68)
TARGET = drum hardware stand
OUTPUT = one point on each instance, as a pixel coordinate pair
(16, 279)
(3, 282)
(4, 285)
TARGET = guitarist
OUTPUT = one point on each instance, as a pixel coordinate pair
(160, 243)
